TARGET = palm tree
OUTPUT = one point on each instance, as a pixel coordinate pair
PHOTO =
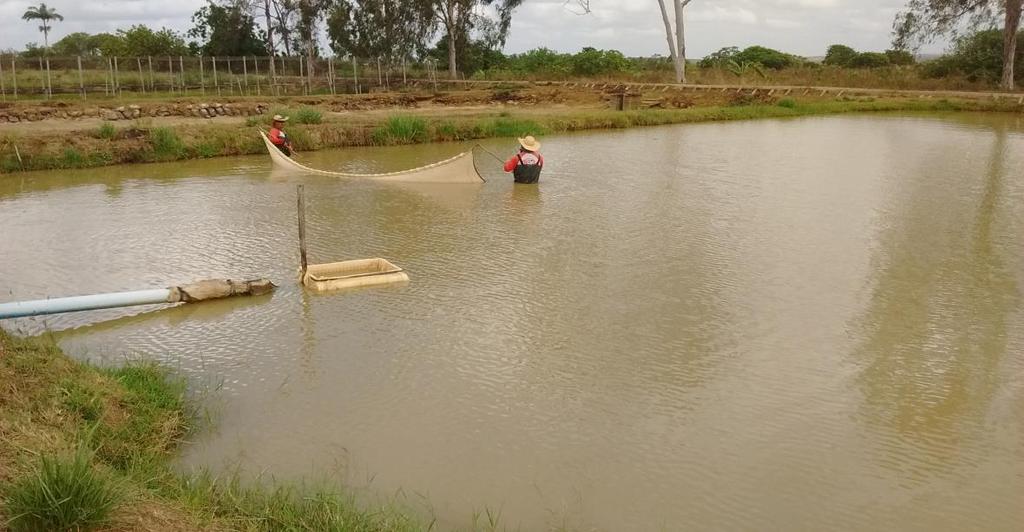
(44, 14)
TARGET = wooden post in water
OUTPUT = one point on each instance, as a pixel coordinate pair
(81, 79)
(302, 231)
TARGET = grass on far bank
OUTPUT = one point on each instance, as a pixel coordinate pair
(83, 448)
(310, 133)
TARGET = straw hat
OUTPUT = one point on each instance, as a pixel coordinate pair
(529, 143)
(279, 118)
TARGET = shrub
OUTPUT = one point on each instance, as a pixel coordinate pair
(720, 58)
(870, 60)
(594, 62)
(64, 494)
(840, 55)
(900, 57)
(767, 57)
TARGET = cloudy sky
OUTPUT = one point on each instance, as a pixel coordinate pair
(804, 27)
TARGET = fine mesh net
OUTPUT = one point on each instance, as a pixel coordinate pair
(458, 169)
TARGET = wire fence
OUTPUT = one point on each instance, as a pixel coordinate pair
(115, 77)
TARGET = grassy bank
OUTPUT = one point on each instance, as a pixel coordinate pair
(84, 448)
(138, 144)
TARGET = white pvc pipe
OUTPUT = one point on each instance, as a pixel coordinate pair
(21, 309)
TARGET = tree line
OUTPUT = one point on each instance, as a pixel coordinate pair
(471, 33)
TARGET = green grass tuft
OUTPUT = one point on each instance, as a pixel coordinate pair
(107, 131)
(166, 144)
(65, 493)
(401, 130)
(788, 103)
(307, 115)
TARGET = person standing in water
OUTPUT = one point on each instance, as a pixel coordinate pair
(278, 137)
(526, 165)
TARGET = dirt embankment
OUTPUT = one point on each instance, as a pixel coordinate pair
(43, 117)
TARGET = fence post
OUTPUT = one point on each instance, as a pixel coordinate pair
(230, 74)
(404, 79)
(380, 76)
(42, 80)
(330, 74)
(152, 86)
(170, 74)
(355, 74)
(14, 77)
(117, 83)
(215, 81)
(202, 76)
(81, 79)
(3, 90)
(245, 75)
(256, 65)
(181, 72)
(142, 79)
(49, 82)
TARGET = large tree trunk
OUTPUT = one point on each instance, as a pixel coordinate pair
(452, 30)
(1013, 13)
(270, 39)
(672, 40)
(681, 39)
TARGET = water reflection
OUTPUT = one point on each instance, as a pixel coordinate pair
(937, 325)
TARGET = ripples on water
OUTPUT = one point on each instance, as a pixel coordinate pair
(809, 324)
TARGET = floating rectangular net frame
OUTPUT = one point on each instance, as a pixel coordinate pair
(352, 274)
(346, 274)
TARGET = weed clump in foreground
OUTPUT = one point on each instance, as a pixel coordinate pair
(65, 493)
(132, 419)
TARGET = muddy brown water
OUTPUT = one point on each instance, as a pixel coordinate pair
(808, 324)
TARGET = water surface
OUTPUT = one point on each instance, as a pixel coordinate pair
(807, 324)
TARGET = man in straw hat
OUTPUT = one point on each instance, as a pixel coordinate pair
(527, 163)
(278, 137)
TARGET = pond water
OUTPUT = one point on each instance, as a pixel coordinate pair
(808, 324)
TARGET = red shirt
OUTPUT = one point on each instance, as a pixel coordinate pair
(529, 157)
(278, 137)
